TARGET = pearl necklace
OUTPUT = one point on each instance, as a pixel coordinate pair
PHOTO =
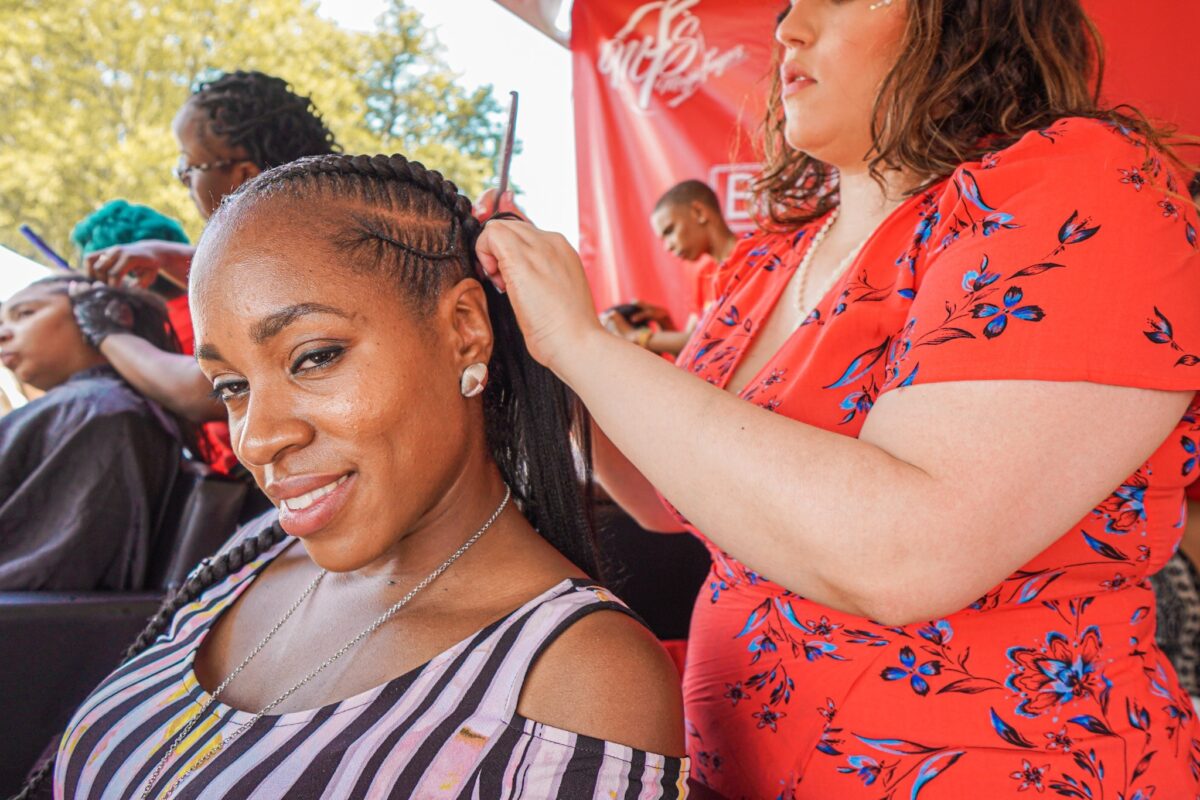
(801, 279)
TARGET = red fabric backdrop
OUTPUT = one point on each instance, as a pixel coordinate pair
(668, 90)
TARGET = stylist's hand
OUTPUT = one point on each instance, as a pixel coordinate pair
(544, 278)
(486, 206)
(143, 260)
(100, 312)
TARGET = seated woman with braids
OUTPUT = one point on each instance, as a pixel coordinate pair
(85, 468)
(416, 618)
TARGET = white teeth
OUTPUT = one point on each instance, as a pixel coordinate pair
(308, 498)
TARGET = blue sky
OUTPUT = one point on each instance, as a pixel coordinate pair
(484, 43)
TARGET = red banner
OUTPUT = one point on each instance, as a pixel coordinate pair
(665, 91)
(674, 89)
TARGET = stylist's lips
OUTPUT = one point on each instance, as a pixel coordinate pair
(794, 79)
(9, 360)
(307, 503)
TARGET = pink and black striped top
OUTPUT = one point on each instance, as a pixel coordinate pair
(448, 729)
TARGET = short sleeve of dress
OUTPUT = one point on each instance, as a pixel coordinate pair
(1069, 256)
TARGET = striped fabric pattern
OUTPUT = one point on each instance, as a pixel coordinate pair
(448, 729)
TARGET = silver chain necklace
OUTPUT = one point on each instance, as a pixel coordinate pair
(148, 787)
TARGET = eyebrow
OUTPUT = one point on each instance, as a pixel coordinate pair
(272, 325)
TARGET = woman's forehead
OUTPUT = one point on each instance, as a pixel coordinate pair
(40, 291)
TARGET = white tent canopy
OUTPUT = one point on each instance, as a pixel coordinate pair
(551, 17)
(17, 272)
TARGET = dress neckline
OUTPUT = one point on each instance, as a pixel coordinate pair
(237, 716)
(779, 288)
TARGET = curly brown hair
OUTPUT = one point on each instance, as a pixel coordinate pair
(976, 75)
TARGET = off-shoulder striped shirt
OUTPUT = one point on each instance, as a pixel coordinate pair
(447, 729)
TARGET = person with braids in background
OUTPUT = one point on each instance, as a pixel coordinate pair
(938, 431)
(417, 618)
(85, 468)
(228, 131)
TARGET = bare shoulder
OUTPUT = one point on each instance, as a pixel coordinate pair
(607, 677)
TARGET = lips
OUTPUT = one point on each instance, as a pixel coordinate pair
(308, 503)
(9, 360)
(794, 78)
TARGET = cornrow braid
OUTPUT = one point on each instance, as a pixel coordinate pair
(208, 573)
(262, 115)
(413, 225)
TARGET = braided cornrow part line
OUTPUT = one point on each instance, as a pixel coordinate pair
(209, 573)
(393, 167)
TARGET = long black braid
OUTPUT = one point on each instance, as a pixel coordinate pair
(415, 226)
(262, 115)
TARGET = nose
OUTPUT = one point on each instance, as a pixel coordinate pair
(6, 333)
(268, 429)
(795, 26)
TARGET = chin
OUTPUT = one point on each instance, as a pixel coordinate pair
(335, 553)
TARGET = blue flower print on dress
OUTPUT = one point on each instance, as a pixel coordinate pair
(1133, 177)
(1074, 231)
(1125, 508)
(1057, 673)
(916, 674)
(1162, 332)
(864, 767)
(769, 718)
(1031, 776)
(938, 633)
(980, 279)
(999, 315)
(1189, 447)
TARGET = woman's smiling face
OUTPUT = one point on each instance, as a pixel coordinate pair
(343, 400)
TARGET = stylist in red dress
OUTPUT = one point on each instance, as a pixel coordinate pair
(945, 422)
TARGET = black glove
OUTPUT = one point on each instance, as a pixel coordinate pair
(101, 311)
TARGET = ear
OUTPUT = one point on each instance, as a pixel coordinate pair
(244, 171)
(464, 306)
(699, 212)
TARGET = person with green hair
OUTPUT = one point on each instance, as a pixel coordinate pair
(118, 223)
(121, 222)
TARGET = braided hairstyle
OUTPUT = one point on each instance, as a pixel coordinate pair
(262, 115)
(150, 320)
(413, 226)
(415, 229)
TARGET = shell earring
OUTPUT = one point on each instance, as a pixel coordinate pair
(878, 5)
(474, 379)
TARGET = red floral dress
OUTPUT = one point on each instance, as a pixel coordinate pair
(1069, 256)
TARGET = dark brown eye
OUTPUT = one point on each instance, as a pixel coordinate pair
(314, 359)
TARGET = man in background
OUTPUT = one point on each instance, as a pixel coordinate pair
(688, 220)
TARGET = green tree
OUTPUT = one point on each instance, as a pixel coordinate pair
(414, 105)
(88, 89)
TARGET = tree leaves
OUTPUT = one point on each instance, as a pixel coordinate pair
(89, 88)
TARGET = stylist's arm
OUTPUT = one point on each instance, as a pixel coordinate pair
(942, 496)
